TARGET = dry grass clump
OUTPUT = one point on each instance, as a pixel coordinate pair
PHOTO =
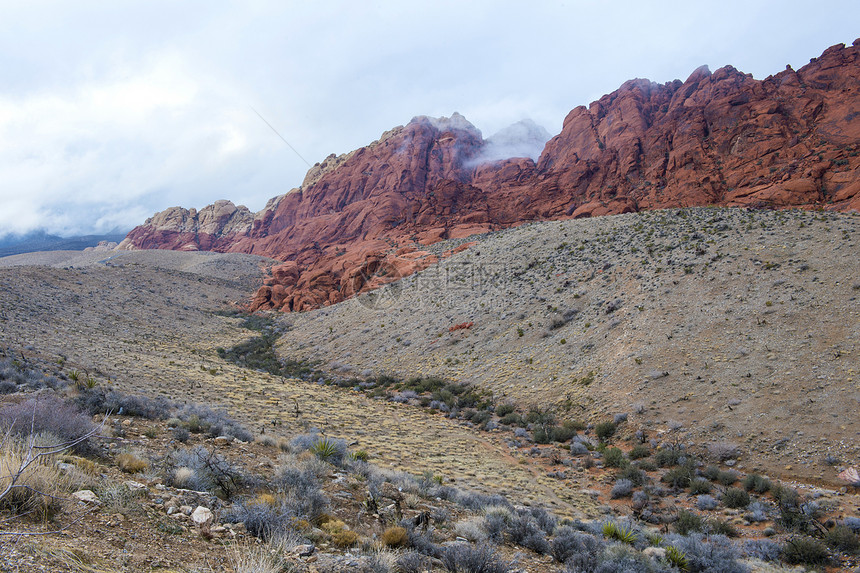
(131, 464)
(29, 485)
(254, 559)
(395, 537)
(184, 477)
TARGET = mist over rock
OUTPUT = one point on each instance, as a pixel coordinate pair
(718, 138)
(525, 138)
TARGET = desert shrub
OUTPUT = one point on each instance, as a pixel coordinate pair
(763, 549)
(706, 502)
(574, 548)
(618, 559)
(622, 488)
(562, 433)
(605, 430)
(805, 551)
(543, 433)
(689, 522)
(614, 458)
(639, 451)
(49, 414)
(254, 559)
(411, 562)
(711, 473)
(727, 477)
(756, 483)
(118, 497)
(395, 537)
(213, 422)
(578, 449)
(181, 434)
(523, 530)
(708, 554)
(472, 529)
(841, 538)
(211, 471)
(718, 527)
(680, 476)
(130, 463)
(785, 495)
(464, 558)
(633, 474)
(700, 485)
(15, 375)
(503, 410)
(736, 498)
(512, 419)
(646, 465)
(98, 400)
(344, 538)
(668, 456)
(756, 512)
(301, 489)
(852, 523)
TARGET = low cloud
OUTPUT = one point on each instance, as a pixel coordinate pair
(525, 138)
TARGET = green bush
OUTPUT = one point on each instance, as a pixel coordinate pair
(756, 483)
(735, 498)
(700, 485)
(689, 522)
(605, 430)
(668, 456)
(503, 410)
(639, 451)
(805, 551)
(614, 458)
(841, 538)
(679, 477)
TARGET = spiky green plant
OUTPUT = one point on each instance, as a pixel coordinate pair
(324, 448)
(677, 558)
(612, 530)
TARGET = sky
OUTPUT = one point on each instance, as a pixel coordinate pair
(111, 110)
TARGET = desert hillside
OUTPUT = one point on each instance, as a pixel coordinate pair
(738, 325)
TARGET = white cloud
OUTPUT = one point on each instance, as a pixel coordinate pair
(110, 112)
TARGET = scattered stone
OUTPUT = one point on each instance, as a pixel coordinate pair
(86, 496)
(202, 516)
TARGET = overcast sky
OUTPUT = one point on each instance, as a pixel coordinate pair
(111, 110)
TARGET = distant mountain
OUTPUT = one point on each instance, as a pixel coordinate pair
(723, 138)
(42, 241)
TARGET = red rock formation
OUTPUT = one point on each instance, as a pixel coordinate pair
(722, 138)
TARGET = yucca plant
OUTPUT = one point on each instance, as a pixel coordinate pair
(677, 558)
(325, 449)
(612, 530)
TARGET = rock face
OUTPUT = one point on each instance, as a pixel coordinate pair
(723, 138)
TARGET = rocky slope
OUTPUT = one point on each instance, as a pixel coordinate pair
(735, 325)
(722, 138)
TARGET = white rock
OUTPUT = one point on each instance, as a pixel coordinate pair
(186, 509)
(135, 485)
(86, 496)
(202, 516)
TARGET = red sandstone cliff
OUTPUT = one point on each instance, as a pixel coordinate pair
(721, 138)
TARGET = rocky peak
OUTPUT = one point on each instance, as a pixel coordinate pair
(722, 138)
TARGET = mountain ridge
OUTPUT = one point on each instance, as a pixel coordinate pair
(724, 138)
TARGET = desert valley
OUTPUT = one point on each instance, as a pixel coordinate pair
(635, 352)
